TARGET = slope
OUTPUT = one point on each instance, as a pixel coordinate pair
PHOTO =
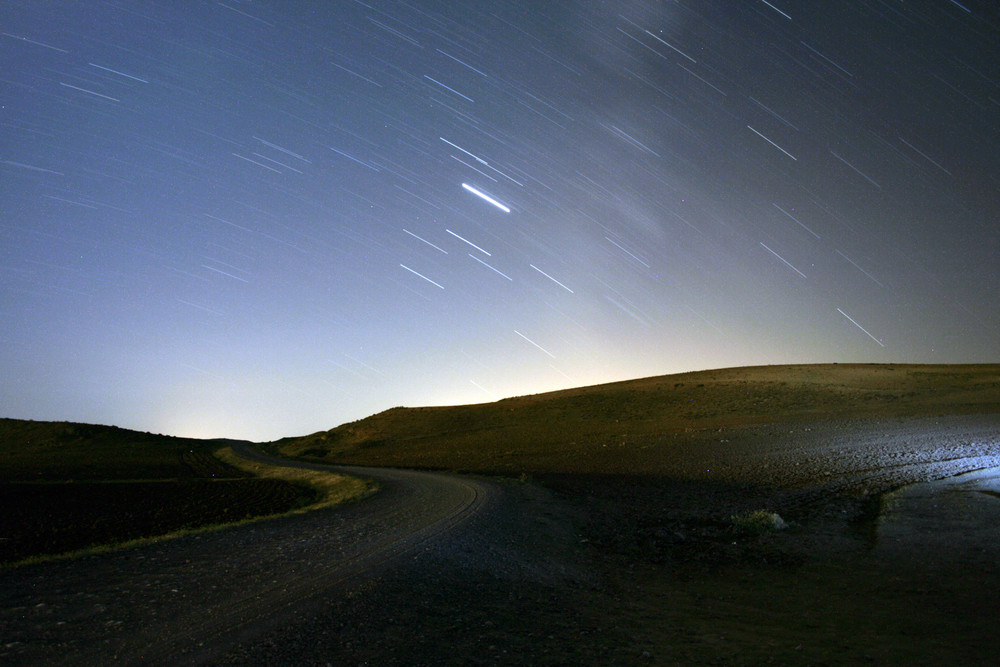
(641, 426)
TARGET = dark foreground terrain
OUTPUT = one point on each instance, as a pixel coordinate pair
(626, 569)
(888, 549)
(68, 487)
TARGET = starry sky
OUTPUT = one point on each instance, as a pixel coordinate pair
(264, 219)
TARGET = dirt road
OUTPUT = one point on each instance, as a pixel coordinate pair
(579, 569)
(185, 600)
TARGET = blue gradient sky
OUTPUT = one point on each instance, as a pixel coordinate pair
(248, 219)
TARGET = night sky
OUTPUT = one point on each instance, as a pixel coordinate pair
(263, 219)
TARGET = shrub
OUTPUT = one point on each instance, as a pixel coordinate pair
(757, 522)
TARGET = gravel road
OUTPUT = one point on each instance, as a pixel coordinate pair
(439, 569)
(186, 600)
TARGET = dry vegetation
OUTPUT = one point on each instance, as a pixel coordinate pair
(331, 488)
(641, 426)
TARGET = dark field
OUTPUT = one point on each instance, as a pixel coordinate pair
(65, 487)
(53, 518)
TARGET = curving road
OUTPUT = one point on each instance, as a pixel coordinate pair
(189, 600)
(437, 568)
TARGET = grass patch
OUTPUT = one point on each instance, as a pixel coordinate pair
(332, 488)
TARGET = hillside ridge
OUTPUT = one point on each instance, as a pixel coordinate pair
(566, 430)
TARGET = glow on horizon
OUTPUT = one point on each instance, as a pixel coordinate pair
(294, 253)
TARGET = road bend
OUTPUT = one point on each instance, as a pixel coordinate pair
(190, 599)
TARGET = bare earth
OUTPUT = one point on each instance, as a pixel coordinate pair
(585, 569)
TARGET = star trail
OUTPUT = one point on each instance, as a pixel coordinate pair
(263, 219)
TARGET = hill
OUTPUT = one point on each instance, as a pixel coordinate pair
(632, 426)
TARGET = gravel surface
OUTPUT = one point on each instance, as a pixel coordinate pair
(433, 569)
(186, 599)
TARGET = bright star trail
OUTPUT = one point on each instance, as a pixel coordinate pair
(263, 219)
(483, 195)
(860, 327)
